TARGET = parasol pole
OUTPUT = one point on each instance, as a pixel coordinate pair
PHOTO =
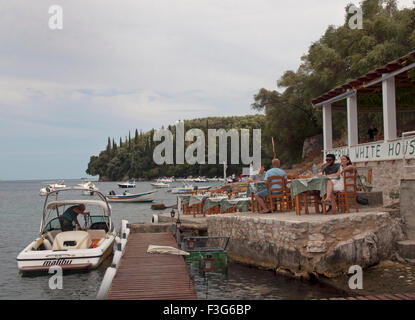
(273, 148)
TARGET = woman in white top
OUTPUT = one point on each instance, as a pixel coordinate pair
(336, 183)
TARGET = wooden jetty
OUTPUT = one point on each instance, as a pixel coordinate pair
(149, 276)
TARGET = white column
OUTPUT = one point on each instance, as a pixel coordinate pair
(389, 108)
(352, 131)
(327, 127)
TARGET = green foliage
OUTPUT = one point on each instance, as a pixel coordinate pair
(134, 157)
(340, 55)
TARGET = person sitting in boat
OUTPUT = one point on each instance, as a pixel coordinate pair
(111, 193)
(336, 183)
(70, 215)
(274, 171)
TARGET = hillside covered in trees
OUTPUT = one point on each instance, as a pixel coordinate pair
(133, 157)
(340, 55)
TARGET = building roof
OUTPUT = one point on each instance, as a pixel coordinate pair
(371, 81)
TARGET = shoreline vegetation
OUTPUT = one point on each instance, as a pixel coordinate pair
(340, 55)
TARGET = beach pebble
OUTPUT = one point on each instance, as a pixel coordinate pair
(400, 277)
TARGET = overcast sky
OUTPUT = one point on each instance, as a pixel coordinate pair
(121, 65)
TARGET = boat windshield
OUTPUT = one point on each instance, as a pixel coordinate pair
(98, 217)
(91, 222)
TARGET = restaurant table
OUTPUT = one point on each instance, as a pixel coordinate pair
(299, 186)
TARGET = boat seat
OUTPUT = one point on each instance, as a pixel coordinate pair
(72, 240)
(47, 244)
(97, 234)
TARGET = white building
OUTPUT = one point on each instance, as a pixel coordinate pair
(392, 156)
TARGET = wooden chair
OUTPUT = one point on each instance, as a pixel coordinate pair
(194, 209)
(280, 196)
(349, 194)
(289, 201)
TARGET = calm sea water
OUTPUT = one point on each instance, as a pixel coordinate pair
(20, 214)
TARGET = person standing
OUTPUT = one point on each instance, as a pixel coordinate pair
(71, 215)
(372, 132)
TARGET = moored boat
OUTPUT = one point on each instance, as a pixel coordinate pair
(65, 245)
(128, 184)
(90, 188)
(147, 196)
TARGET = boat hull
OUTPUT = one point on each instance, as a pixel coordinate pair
(142, 197)
(79, 259)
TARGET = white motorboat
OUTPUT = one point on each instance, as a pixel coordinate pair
(45, 190)
(147, 196)
(200, 179)
(160, 184)
(70, 248)
(50, 186)
(128, 184)
(185, 188)
(90, 188)
(165, 180)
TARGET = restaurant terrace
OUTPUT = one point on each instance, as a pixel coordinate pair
(389, 90)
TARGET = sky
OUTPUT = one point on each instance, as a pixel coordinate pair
(120, 65)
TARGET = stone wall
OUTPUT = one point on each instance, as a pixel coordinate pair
(320, 245)
(387, 175)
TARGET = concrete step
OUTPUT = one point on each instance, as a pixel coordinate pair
(406, 249)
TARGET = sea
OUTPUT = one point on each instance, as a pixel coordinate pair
(20, 216)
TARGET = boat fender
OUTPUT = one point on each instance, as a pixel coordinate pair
(106, 283)
(117, 240)
(123, 244)
(155, 218)
(123, 225)
(117, 258)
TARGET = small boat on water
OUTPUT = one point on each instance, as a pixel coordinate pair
(51, 187)
(64, 245)
(160, 184)
(90, 188)
(185, 188)
(147, 196)
(128, 184)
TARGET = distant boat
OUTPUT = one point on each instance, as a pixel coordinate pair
(165, 180)
(129, 184)
(51, 187)
(147, 196)
(160, 183)
(185, 188)
(90, 186)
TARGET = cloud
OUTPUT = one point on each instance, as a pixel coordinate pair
(117, 66)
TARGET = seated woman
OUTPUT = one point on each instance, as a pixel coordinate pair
(336, 183)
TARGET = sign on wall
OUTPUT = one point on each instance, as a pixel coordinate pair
(378, 151)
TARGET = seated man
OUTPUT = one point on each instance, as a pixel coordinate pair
(274, 171)
(71, 214)
(330, 167)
